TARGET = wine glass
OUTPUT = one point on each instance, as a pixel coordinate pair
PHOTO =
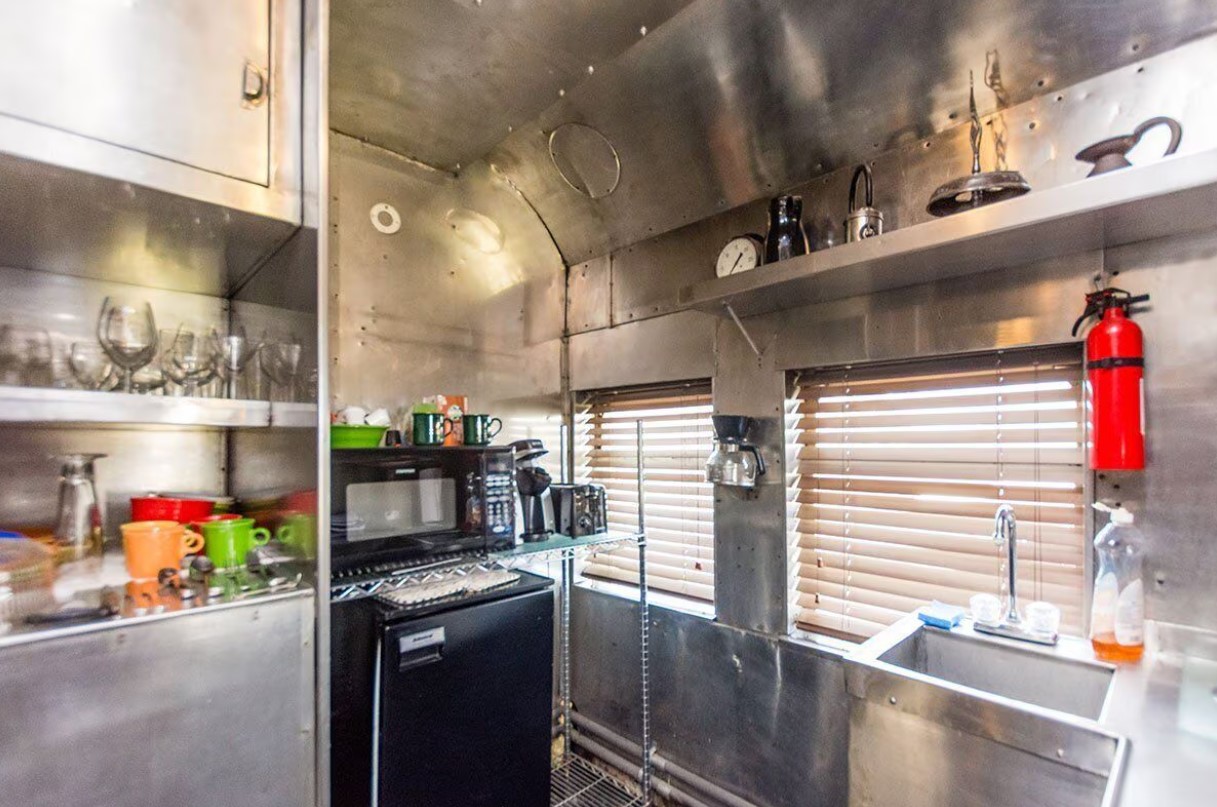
(281, 361)
(91, 367)
(127, 333)
(26, 356)
(235, 352)
(190, 358)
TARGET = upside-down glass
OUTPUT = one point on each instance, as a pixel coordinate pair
(127, 332)
(281, 361)
(190, 359)
(90, 365)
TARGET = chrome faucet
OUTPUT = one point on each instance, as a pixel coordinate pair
(1005, 529)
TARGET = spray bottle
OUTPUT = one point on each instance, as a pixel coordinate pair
(1117, 615)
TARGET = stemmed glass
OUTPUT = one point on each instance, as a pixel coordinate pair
(190, 359)
(281, 361)
(127, 333)
(235, 352)
(91, 367)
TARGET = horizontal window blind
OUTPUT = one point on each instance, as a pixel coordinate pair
(900, 469)
(677, 440)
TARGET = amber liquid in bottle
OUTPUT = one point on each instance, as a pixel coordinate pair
(1114, 652)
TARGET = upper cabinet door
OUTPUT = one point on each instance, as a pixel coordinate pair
(186, 80)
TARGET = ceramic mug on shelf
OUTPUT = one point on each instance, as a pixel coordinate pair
(150, 546)
(430, 428)
(228, 541)
(298, 534)
(480, 429)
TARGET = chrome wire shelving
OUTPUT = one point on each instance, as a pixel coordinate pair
(579, 783)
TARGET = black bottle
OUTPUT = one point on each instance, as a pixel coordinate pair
(786, 237)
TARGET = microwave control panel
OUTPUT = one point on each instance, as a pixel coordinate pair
(500, 504)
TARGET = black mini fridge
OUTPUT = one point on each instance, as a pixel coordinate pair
(459, 703)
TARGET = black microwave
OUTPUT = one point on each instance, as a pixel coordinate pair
(407, 504)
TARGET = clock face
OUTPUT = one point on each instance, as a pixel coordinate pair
(739, 255)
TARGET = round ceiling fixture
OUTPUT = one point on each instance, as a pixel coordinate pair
(385, 218)
(585, 159)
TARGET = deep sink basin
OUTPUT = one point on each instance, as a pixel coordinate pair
(1043, 677)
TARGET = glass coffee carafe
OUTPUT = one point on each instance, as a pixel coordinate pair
(79, 522)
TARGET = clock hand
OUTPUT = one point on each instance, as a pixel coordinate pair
(738, 258)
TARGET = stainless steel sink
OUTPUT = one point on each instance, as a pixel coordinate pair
(1047, 677)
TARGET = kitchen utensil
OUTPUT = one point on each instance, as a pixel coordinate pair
(281, 362)
(430, 428)
(343, 435)
(980, 187)
(786, 237)
(27, 578)
(532, 483)
(170, 508)
(150, 546)
(734, 462)
(190, 359)
(580, 509)
(79, 518)
(127, 332)
(866, 221)
(227, 541)
(235, 352)
(1109, 155)
(480, 429)
(91, 366)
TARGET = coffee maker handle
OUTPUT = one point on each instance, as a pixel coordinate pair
(760, 461)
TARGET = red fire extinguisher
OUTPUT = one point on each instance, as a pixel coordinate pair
(1115, 381)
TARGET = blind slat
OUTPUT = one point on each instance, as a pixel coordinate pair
(897, 472)
(677, 440)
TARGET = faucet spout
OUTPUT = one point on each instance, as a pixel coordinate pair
(1005, 530)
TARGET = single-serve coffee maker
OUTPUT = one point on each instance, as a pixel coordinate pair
(734, 461)
(532, 484)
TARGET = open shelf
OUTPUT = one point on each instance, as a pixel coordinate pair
(72, 406)
(578, 783)
(1176, 195)
(559, 545)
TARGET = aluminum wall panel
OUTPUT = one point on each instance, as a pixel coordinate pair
(671, 348)
(450, 303)
(764, 718)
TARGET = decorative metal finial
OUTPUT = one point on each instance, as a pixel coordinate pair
(976, 132)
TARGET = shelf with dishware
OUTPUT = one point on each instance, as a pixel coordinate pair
(74, 406)
(1173, 196)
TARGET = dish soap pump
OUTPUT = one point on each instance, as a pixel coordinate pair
(1117, 616)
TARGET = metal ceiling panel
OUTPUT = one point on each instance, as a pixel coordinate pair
(725, 102)
(732, 101)
(443, 81)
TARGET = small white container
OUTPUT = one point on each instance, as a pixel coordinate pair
(1043, 619)
(986, 609)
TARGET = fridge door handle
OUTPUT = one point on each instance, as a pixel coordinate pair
(420, 649)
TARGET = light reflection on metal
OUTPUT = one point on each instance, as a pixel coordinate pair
(478, 231)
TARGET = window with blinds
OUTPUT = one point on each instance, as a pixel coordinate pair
(677, 439)
(901, 468)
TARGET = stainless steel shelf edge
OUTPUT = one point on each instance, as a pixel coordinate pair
(293, 415)
(39, 405)
(1173, 196)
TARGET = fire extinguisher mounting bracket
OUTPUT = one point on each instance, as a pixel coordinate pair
(1097, 302)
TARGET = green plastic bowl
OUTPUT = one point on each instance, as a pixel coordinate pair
(346, 435)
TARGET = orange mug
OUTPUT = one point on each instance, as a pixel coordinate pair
(150, 546)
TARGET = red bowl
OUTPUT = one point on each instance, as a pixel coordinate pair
(217, 517)
(167, 508)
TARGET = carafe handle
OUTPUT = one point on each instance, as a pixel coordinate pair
(760, 461)
(1172, 124)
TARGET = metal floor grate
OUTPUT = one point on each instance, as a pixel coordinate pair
(578, 783)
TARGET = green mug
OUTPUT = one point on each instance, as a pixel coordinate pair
(228, 542)
(480, 429)
(430, 428)
(298, 534)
